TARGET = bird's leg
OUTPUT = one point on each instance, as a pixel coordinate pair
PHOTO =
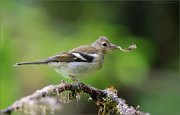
(73, 94)
(62, 81)
(74, 79)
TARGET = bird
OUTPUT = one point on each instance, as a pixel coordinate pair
(81, 60)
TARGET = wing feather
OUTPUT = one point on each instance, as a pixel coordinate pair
(71, 57)
(79, 54)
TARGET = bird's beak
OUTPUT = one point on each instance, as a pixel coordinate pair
(114, 47)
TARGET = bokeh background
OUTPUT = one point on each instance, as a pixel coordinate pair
(148, 76)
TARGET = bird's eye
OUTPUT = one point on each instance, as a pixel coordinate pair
(104, 44)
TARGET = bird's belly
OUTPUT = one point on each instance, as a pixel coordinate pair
(75, 69)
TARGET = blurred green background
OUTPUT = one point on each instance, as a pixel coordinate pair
(149, 76)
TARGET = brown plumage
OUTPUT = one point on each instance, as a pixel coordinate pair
(96, 47)
(81, 60)
(65, 56)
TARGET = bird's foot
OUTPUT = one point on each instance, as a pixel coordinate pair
(74, 79)
(62, 81)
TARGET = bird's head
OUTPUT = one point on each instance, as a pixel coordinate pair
(104, 45)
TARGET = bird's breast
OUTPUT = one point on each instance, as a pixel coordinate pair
(76, 68)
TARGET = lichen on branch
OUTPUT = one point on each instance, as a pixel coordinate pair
(49, 99)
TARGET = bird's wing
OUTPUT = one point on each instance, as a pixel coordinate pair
(70, 57)
(79, 54)
(62, 57)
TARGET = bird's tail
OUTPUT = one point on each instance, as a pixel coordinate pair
(31, 63)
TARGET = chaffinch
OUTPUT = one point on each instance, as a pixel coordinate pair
(82, 60)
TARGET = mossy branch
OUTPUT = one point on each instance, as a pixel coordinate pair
(47, 100)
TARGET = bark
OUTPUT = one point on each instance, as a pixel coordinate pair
(48, 99)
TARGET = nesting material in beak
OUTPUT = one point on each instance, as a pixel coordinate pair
(131, 47)
(114, 46)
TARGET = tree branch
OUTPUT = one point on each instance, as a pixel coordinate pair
(49, 98)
